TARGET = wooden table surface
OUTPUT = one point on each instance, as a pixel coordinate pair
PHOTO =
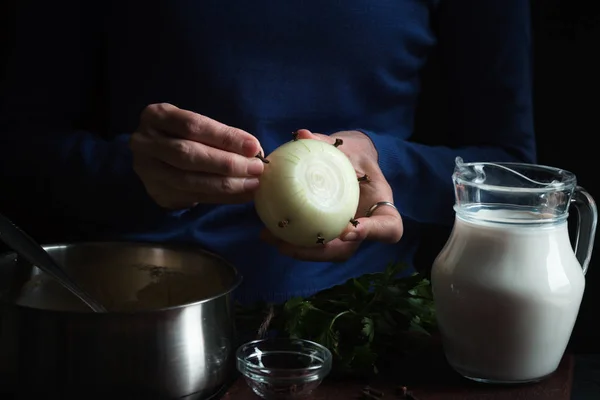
(434, 380)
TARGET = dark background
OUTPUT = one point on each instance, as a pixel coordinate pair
(567, 86)
(566, 37)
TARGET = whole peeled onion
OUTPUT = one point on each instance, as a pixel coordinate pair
(308, 192)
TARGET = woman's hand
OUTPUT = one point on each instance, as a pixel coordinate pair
(184, 158)
(385, 223)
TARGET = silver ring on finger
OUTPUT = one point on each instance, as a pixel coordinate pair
(380, 204)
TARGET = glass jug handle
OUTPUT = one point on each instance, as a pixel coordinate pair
(586, 226)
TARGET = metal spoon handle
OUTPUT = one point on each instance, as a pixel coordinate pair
(31, 251)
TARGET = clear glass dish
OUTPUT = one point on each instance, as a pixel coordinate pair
(283, 368)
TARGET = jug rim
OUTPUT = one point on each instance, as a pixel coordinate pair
(564, 179)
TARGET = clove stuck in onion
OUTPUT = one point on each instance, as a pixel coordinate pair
(308, 193)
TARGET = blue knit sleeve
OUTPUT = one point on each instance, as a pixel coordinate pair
(485, 48)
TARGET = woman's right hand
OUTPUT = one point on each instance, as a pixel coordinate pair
(184, 158)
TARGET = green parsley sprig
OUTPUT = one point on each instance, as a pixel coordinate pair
(366, 322)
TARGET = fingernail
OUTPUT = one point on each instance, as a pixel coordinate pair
(255, 167)
(250, 184)
(249, 147)
(350, 237)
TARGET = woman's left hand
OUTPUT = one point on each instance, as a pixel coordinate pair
(385, 223)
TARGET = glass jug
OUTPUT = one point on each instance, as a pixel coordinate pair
(508, 285)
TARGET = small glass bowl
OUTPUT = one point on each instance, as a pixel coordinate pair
(283, 368)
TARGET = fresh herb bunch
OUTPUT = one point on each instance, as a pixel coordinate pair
(368, 321)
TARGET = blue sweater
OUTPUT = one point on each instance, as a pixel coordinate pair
(82, 72)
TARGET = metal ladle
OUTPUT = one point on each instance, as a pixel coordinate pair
(35, 254)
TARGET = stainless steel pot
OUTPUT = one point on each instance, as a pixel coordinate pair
(169, 333)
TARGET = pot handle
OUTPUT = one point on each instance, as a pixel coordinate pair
(586, 226)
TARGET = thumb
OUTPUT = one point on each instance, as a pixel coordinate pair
(384, 227)
(306, 134)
